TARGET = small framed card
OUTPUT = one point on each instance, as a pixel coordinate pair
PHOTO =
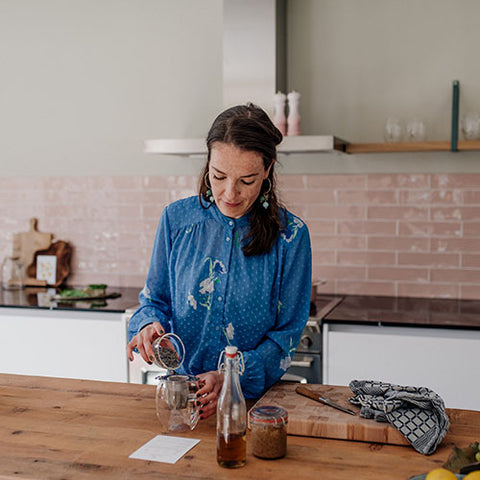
(47, 268)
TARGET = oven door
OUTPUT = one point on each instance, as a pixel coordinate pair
(140, 371)
(305, 368)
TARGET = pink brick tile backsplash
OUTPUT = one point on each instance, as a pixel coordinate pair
(381, 234)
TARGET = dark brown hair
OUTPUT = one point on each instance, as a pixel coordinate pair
(249, 128)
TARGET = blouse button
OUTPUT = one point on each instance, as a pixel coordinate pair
(227, 239)
(230, 222)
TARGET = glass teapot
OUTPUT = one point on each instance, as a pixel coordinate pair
(175, 402)
(175, 398)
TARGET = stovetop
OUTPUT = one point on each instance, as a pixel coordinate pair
(31, 297)
(323, 305)
(406, 311)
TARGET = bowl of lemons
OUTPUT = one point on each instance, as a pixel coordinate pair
(463, 463)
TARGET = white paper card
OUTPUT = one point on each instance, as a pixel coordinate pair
(47, 268)
(164, 448)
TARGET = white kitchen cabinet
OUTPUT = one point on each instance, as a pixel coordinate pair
(444, 360)
(59, 343)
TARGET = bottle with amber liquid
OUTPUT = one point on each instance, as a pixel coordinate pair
(231, 412)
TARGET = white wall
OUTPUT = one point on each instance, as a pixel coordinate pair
(356, 62)
(84, 82)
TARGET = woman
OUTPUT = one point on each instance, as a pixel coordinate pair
(231, 266)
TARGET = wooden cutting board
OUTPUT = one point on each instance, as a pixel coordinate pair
(25, 244)
(312, 419)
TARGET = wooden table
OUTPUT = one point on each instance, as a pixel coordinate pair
(53, 428)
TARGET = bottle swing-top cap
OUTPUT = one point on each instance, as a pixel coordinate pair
(231, 350)
(232, 353)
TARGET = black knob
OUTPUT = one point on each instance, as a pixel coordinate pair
(306, 341)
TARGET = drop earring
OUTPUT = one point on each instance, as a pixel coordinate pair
(264, 196)
(208, 193)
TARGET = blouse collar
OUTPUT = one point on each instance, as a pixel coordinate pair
(238, 222)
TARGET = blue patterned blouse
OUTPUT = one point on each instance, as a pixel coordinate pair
(202, 287)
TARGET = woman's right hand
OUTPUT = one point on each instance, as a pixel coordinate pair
(143, 341)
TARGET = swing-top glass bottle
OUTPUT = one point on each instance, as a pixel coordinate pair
(231, 412)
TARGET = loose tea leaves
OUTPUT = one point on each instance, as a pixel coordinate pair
(268, 440)
(166, 357)
(268, 426)
(169, 351)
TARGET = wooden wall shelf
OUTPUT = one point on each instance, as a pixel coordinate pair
(442, 146)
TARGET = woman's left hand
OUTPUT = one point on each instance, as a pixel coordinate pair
(207, 395)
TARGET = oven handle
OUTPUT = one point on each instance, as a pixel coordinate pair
(147, 373)
(314, 324)
(305, 363)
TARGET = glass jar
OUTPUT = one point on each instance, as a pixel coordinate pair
(13, 273)
(168, 351)
(268, 426)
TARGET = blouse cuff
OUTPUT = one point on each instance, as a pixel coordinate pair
(253, 379)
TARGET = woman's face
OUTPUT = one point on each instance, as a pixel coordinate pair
(236, 178)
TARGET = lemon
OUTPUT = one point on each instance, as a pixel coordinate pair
(440, 474)
(472, 475)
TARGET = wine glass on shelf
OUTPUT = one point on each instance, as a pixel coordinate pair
(393, 130)
(416, 130)
(470, 124)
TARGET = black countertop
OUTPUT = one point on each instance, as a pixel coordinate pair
(349, 309)
(406, 311)
(41, 298)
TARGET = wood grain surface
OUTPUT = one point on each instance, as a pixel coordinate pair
(55, 429)
(312, 419)
(25, 244)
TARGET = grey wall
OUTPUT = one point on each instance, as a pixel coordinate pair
(84, 82)
(358, 61)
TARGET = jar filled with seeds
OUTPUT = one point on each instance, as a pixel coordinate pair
(168, 351)
(268, 425)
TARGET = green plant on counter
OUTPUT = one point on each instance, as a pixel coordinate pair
(73, 292)
(94, 289)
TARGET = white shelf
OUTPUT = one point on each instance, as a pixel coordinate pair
(176, 146)
(290, 145)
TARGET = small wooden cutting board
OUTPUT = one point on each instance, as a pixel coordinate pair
(25, 244)
(310, 418)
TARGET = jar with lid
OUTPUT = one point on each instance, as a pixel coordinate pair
(168, 351)
(268, 428)
(13, 273)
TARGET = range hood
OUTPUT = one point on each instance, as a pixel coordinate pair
(254, 68)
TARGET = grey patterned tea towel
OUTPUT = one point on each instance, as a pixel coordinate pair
(418, 413)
